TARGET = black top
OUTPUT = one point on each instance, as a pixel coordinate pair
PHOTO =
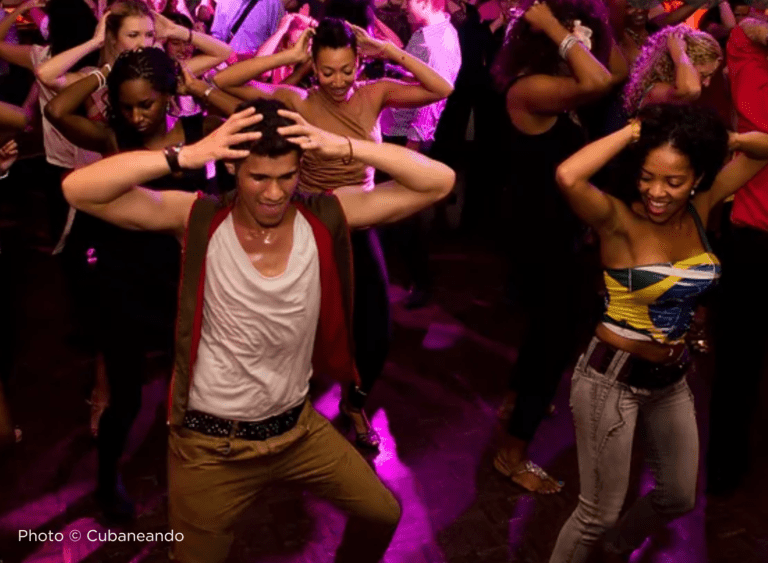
(538, 205)
(149, 260)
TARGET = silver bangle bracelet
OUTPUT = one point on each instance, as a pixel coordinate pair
(567, 44)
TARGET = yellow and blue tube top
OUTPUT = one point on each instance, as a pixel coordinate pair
(657, 301)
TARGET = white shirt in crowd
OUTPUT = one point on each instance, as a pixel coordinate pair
(255, 355)
(437, 45)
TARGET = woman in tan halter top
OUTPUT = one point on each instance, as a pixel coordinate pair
(341, 104)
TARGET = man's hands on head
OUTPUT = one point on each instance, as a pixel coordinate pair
(309, 137)
(220, 144)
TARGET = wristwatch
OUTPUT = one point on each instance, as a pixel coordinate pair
(172, 157)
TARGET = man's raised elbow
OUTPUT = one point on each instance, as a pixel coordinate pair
(446, 184)
(69, 189)
(565, 178)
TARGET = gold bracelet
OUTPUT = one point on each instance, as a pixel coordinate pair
(347, 161)
(635, 126)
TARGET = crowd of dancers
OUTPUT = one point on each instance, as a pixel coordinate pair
(225, 167)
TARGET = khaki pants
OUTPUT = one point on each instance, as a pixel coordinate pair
(213, 480)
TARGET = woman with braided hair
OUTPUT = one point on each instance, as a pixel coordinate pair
(136, 272)
(674, 65)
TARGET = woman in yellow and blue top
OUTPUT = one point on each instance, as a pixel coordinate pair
(657, 263)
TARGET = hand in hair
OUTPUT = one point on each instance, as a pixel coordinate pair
(186, 81)
(539, 16)
(312, 138)
(166, 29)
(9, 152)
(676, 46)
(217, 145)
(99, 35)
(367, 46)
(300, 51)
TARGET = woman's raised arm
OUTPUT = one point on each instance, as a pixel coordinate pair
(550, 95)
(61, 112)
(752, 149)
(213, 52)
(593, 206)
(54, 72)
(429, 88)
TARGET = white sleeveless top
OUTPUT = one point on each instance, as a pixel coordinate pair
(258, 333)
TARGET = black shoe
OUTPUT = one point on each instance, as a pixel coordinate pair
(417, 298)
(115, 505)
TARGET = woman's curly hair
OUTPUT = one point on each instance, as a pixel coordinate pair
(654, 64)
(526, 51)
(696, 132)
(149, 63)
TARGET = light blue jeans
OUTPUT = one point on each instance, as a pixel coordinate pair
(605, 414)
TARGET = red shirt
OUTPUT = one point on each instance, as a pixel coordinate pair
(748, 71)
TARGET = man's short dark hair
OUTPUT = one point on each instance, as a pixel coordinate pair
(271, 143)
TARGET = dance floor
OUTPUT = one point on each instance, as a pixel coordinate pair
(435, 407)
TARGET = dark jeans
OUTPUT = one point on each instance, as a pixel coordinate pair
(57, 207)
(371, 324)
(740, 339)
(128, 334)
(553, 289)
(408, 237)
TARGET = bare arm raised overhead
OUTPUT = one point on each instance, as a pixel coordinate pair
(19, 55)
(235, 78)
(110, 189)
(417, 180)
(550, 95)
(429, 85)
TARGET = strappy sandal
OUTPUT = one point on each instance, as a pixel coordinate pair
(527, 467)
(367, 440)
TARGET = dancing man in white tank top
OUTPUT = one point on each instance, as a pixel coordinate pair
(264, 302)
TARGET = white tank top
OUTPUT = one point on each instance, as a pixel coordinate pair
(254, 360)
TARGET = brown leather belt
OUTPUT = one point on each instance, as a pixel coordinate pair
(637, 372)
